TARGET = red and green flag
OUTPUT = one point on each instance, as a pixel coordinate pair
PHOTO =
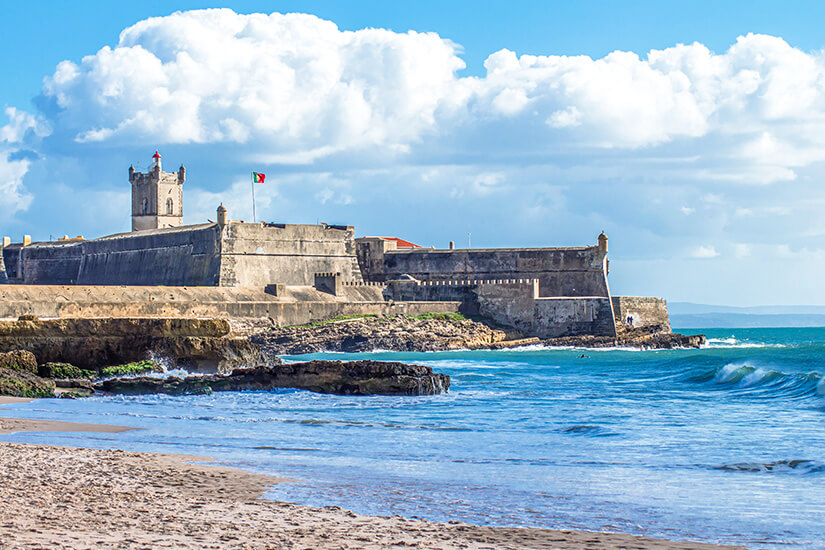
(257, 177)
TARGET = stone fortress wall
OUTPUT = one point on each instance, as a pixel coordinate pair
(580, 271)
(304, 273)
(236, 254)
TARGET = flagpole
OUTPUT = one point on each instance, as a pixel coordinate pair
(253, 198)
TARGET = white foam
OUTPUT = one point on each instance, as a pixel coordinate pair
(733, 343)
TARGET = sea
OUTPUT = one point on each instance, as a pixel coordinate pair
(721, 444)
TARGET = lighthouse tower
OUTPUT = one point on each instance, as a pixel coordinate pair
(157, 196)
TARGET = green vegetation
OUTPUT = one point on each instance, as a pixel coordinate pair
(138, 367)
(65, 371)
(454, 317)
(335, 320)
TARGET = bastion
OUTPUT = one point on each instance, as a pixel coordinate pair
(293, 274)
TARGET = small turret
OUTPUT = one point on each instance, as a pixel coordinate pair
(181, 174)
(602, 243)
(156, 161)
(131, 173)
(221, 215)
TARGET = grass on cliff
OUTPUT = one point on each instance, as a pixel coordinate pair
(335, 320)
(138, 367)
(444, 316)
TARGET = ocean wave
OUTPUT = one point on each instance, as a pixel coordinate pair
(747, 377)
(588, 430)
(801, 466)
(733, 343)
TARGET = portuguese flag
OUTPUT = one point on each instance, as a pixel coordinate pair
(257, 177)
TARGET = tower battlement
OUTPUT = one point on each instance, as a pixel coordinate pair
(157, 196)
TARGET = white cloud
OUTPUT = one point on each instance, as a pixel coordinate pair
(20, 123)
(565, 118)
(704, 252)
(295, 89)
(22, 127)
(687, 211)
(291, 81)
(13, 197)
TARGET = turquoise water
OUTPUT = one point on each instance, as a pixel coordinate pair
(722, 444)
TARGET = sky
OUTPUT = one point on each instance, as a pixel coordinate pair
(692, 134)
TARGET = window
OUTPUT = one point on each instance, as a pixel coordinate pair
(170, 207)
(145, 209)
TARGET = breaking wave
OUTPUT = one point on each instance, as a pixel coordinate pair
(762, 380)
(733, 343)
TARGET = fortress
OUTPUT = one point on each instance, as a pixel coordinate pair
(295, 274)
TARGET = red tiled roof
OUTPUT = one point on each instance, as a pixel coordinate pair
(400, 243)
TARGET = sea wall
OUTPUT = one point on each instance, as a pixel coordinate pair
(295, 305)
(560, 271)
(646, 311)
(261, 254)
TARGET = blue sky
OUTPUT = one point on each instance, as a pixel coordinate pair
(693, 134)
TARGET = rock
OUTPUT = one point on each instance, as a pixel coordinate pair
(397, 333)
(22, 383)
(19, 360)
(643, 338)
(74, 383)
(203, 345)
(345, 378)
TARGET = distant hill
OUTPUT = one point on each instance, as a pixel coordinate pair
(689, 315)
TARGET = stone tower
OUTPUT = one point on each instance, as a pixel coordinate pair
(157, 197)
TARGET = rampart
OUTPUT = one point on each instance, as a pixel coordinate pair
(645, 311)
(515, 303)
(561, 271)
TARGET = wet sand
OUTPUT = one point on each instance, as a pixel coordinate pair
(60, 497)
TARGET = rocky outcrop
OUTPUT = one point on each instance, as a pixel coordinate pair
(651, 337)
(345, 378)
(398, 333)
(437, 334)
(19, 360)
(199, 345)
(22, 383)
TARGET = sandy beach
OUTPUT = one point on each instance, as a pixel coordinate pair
(60, 497)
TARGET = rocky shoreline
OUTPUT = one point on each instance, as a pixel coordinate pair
(76, 357)
(441, 332)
